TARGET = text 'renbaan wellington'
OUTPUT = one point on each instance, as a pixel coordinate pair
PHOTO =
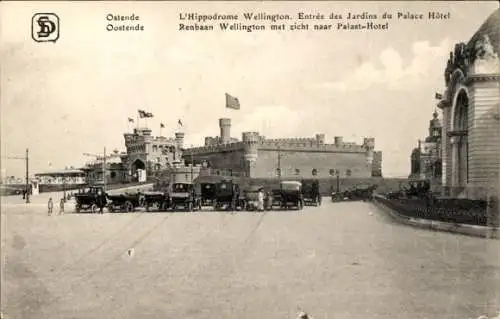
(201, 22)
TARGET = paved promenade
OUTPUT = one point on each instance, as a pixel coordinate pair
(340, 260)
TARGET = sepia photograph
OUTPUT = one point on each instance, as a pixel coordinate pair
(250, 159)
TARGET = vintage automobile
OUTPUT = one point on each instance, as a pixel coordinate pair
(219, 192)
(358, 193)
(156, 200)
(226, 195)
(183, 195)
(93, 199)
(289, 194)
(413, 188)
(126, 202)
(250, 198)
(310, 192)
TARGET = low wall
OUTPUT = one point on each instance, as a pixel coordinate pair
(457, 211)
(490, 231)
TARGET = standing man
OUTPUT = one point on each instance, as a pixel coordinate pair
(261, 200)
(61, 206)
(50, 206)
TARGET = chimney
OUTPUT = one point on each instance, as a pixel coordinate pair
(225, 130)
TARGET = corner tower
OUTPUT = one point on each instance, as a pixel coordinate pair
(369, 145)
(225, 130)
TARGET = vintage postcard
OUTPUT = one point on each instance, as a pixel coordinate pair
(250, 159)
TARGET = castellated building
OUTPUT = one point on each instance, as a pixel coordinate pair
(151, 153)
(426, 159)
(471, 115)
(255, 156)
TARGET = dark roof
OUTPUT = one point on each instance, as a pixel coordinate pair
(61, 172)
(491, 28)
(254, 188)
(210, 179)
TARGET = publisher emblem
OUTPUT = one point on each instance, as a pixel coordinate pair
(45, 27)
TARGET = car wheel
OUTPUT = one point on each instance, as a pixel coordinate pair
(128, 206)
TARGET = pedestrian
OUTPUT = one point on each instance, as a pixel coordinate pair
(50, 206)
(261, 200)
(61, 206)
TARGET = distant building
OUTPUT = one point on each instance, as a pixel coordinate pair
(116, 173)
(426, 159)
(60, 180)
(471, 114)
(257, 157)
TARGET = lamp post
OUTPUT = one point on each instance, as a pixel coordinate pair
(26, 159)
(278, 171)
(337, 173)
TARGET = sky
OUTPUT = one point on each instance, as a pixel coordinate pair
(74, 96)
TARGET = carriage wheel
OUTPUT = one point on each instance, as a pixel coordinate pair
(190, 207)
(215, 205)
(111, 208)
(300, 205)
(77, 209)
(93, 208)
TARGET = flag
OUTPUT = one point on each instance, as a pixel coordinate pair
(439, 96)
(162, 126)
(179, 122)
(144, 114)
(130, 120)
(232, 102)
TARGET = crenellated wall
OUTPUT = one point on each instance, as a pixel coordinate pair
(256, 156)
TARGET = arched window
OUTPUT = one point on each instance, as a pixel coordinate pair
(332, 172)
(314, 172)
(113, 174)
(278, 172)
(348, 172)
(297, 171)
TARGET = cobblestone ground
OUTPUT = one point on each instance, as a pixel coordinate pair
(342, 260)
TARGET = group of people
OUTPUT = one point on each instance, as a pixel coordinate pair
(50, 206)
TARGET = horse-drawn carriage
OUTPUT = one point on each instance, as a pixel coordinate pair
(289, 194)
(310, 192)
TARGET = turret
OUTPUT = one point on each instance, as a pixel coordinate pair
(225, 130)
(338, 140)
(251, 142)
(179, 139)
(434, 126)
(369, 145)
(320, 139)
